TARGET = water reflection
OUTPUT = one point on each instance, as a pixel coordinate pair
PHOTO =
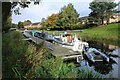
(102, 68)
(102, 46)
(106, 70)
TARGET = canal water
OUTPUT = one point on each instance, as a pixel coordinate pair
(105, 70)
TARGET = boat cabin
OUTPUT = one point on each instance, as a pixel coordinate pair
(67, 38)
(42, 35)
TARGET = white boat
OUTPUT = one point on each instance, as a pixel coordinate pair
(27, 33)
(70, 41)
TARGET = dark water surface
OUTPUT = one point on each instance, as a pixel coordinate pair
(106, 70)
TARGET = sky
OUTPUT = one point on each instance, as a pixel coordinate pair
(36, 12)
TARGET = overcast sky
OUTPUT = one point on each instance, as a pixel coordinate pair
(36, 12)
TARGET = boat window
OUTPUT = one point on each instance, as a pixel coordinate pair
(78, 38)
(63, 35)
(35, 34)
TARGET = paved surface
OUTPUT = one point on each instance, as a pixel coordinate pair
(56, 49)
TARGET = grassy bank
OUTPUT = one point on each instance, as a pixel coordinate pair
(106, 34)
(22, 59)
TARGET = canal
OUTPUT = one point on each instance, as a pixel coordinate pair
(105, 70)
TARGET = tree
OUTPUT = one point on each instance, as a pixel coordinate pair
(51, 20)
(27, 22)
(67, 18)
(102, 11)
(20, 25)
(6, 16)
(14, 25)
(43, 23)
(8, 8)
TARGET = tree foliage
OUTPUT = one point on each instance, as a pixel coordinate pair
(67, 18)
(43, 23)
(8, 8)
(27, 22)
(102, 11)
(14, 25)
(20, 25)
(51, 20)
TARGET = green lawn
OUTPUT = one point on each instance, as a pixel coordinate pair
(107, 33)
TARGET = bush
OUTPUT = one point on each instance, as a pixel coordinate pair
(13, 49)
(49, 68)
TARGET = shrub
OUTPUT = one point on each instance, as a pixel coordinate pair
(13, 49)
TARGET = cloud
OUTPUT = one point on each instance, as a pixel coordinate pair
(36, 12)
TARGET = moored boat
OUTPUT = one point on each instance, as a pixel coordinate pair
(70, 41)
(92, 53)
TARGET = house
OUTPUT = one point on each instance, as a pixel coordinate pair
(115, 18)
(84, 20)
(33, 25)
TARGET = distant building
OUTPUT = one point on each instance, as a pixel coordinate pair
(33, 25)
(84, 20)
(116, 18)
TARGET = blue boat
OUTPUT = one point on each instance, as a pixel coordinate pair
(42, 35)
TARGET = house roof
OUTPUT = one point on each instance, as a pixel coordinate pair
(116, 14)
(27, 25)
(84, 17)
(35, 23)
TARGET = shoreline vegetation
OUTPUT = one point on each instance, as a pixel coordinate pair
(23, 59)
(108, 34)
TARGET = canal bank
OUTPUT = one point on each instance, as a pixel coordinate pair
(108, 34)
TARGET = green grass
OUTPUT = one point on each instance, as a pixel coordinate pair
(106, 34)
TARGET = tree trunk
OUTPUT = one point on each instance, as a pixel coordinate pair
(107, 21)
(102, 21)
(6, 16)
